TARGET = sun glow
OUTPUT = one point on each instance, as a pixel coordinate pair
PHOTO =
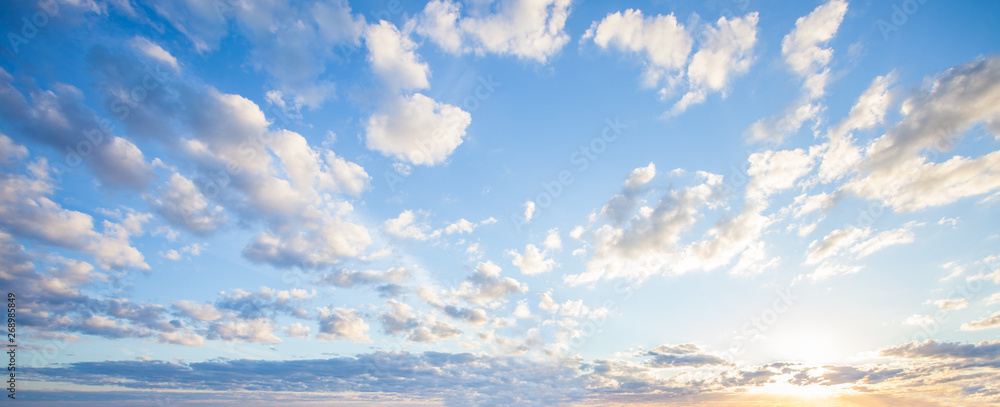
(811, 391)
(809, 348)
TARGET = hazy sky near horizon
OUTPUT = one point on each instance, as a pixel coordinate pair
(532, 202)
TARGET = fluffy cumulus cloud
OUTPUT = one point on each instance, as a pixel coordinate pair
(726, 52)
(621, 206)
(805, 52)
(195, 162)
(342, 323)
(243, 167)
(417, 129)
(526, 29)
(259, 330)
(653, 239)
(28, 211)
(324, 243)
(418, 327)
(894, 170)
(803, 48)
(661, 40)
(532, 261)
(393, 58)
(406, 226)
(486, 285)
(664, 44)
(634, 250)
(181, 203)
(774, 171)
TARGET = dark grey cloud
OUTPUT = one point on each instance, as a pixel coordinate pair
(59, 118)
(988, 350)
(684, 355)
(459, 379)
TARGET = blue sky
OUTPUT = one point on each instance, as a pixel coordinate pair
(502, 202)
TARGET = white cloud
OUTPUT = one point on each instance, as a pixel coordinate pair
(182, 338)
(154, 51)
(730, 237)
(181, 203)
(754, 260)
(552, 240)
(417, 129)
(439, 22)
(990, 322)
(533, 261)
(27, 211)
(547, 303)
(620, 206)
(919, 320)
(460, 226)
(840, 155)
(297, 330)
(803, 46)
(474, 251)
(726, 52)
(951, 304)
(774, 171)
(805, 204)
(776, 128)
(529, 211)
(201, 312)
(171, 254)
(896, 171)
(948, 221)
(915, 184)
(434, 331)
(342, 323)
(486, 285)
(661, 40)
(400, 317)
(804, 53)
(835, 242)
(665, 44)
(649, 245)
(11, 152)
(323, 238)
(885, 239)
(528, 29)
(405, 226)
(640, 176)
(393, 58)
(258, 330)
(522, 311)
